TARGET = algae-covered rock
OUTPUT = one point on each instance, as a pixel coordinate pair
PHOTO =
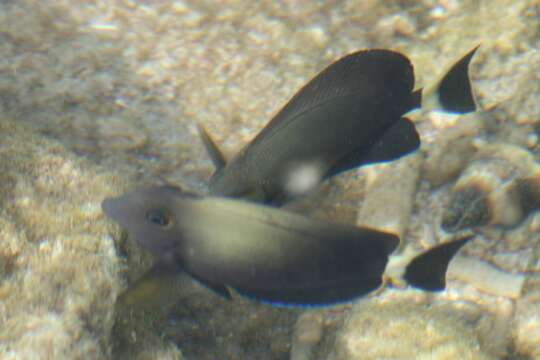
(406, 330)
(60, 272)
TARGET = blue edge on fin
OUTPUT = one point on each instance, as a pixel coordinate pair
(285, 305)
(223, 292)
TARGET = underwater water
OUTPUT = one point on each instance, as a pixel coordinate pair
(98, 98)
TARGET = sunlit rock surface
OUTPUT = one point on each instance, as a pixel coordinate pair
(59, 270)
(407, 330)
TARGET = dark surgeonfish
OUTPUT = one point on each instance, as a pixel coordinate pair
(264, 253)
(349, 115)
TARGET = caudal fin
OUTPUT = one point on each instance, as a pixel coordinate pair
(215, 154)
(427, 271)
(453, 92)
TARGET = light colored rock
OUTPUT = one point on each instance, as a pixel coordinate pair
(485, 277)
(308, 332)
(406, 330)
(60, 272)
(390, 195)
(527, 323)
(449, 150)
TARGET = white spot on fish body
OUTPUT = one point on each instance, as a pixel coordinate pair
(303, 177)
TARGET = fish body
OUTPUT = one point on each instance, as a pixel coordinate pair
(261, 252)
(349, 115)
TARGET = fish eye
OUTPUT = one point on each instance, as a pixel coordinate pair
(158, 217)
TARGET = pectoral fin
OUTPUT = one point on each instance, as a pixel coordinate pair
(215, 153)
(453, 93)
(397, 141)
(156, 289)
(427, 271)
(161, 287)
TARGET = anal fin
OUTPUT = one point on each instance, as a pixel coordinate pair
(215, 153)
(427, 271)
(337, 292)
(398, 140)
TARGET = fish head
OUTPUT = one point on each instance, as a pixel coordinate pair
(150, 217)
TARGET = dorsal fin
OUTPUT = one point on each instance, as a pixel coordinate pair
(427, 271)
(453, 92)
(365, 73)
(211, 148)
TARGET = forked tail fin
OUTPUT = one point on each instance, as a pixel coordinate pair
(427, 271)
(215, 153)
(453, 92)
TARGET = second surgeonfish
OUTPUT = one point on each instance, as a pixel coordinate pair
(351, 114)
(264, 253)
